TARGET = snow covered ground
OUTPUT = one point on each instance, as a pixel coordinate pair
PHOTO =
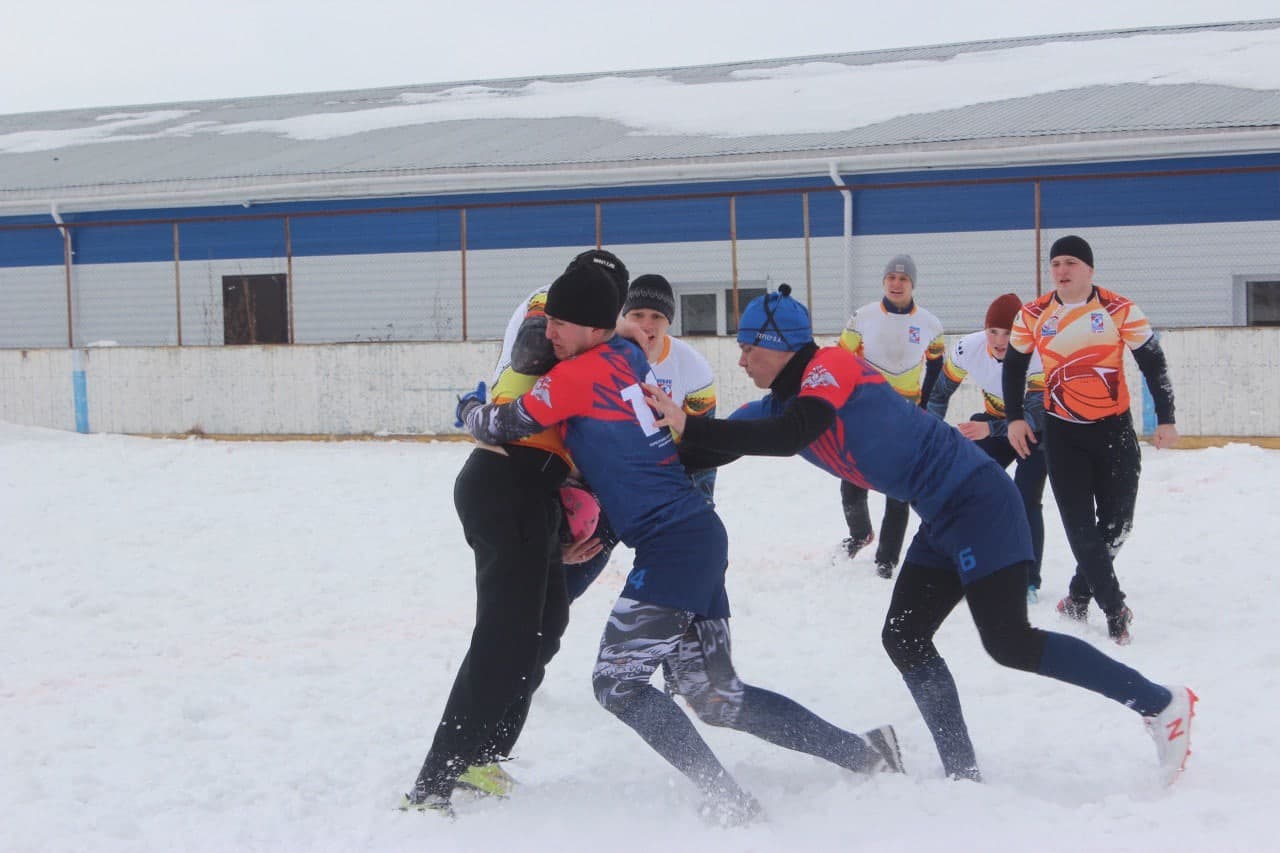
(246, 646)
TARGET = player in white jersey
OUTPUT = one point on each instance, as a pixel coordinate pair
(980, 357)
(904, 342)
(681, 371)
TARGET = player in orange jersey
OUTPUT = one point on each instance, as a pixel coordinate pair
(1081, 331)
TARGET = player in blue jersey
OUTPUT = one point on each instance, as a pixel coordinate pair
(839, 413)
(673, 611)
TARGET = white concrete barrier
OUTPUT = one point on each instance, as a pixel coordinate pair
(1226, 380)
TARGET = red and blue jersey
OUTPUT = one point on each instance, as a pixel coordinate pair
(878, 440)
(631, 463)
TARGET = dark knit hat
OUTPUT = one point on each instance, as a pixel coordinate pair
(610, 263)
(903, 264)
(1073, 246)
(652, 292)
(584, 295)
(775, 321)
(1001, 313)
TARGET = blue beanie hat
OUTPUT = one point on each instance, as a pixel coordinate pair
(775, 321)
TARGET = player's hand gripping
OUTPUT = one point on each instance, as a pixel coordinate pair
(668, 412)
(467, 402)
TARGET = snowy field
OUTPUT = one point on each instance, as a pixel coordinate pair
(246, 646)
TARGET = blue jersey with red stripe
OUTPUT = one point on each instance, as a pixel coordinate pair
(630, 463)
(879, 440)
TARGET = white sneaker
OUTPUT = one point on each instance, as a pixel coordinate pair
(1171, 730)
(885, 742)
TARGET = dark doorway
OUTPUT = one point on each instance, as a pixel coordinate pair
(255, 309)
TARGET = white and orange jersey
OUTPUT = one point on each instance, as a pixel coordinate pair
(897, 345)
(686, 376)
(507, 384)
(970, 356)
(1082, 348)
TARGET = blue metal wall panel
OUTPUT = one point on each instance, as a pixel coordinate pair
(122, 244)
(376, 233)
(681, 220)
(929, 210)
(248, 238)
(898, 210)
(31, 247)
(1171, 200)
(531, 227)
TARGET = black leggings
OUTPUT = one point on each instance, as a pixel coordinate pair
(923, 598)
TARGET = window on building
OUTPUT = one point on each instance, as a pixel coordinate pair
(1262, 303)
(255, 309)
(698, 314)
(711, 313)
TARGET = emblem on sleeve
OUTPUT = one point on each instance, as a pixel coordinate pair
(541, 391)
(817, 377)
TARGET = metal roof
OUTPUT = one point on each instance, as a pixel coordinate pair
(233, 149)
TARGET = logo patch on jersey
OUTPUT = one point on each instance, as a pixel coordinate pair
(1050, 327)
(913, 334)
(817, 377)
(541, 391)
(1096, 322)
(664, 384)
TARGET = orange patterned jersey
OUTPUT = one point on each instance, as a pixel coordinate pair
(1082, 347)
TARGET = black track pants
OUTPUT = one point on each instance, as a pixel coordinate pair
(893, 528)
(511, 519)
(1094, 470)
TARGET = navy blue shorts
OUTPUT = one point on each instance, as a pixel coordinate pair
(682, 566)
(980, 530)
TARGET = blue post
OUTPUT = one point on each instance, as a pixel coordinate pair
(80, 391)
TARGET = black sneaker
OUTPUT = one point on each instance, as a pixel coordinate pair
(1074, 608)
(1118, 625)
(885, 569)
(854, 544)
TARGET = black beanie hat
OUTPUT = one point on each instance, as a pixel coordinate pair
(1073, 246)
(653, 292)
(605, 260)
(584, 295)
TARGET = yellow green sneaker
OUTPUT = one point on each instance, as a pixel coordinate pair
(487, 780)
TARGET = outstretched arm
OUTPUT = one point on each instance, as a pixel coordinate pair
(498, 423)
(799, 425)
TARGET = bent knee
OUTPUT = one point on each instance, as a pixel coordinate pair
(1019, 648)
(906, 648)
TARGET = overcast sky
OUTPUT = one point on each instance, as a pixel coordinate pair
(77, 53)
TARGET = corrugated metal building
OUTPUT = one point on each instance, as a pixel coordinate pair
(423, 213)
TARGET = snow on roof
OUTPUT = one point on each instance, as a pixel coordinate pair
(1150, 92)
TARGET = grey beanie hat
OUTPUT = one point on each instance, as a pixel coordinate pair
(652, 292)
(902, 264)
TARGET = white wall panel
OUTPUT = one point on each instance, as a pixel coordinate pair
(1225, 382)
(33, 307)
(400, 297)
(36, 389)
(130, 304)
